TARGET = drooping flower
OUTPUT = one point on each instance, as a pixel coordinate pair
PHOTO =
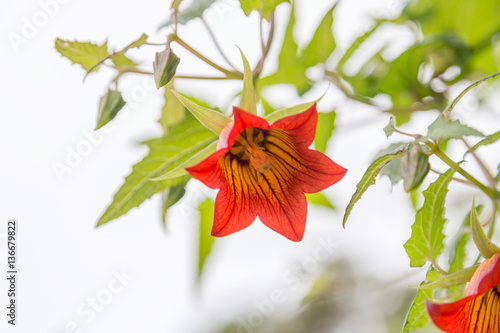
(264, 170)
(479, 310)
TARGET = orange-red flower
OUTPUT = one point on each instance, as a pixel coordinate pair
(479, 310)
(264, 170)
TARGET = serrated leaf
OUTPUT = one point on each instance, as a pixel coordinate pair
(324, 130)
(109, 106)
(483, 243)
(322, 43)
(173, 111)
(367, 180)
(180, 170)
(206, 241)
(319, 199)
(417, 318)
(83, 53)
(194, 10)
(264, 7)
(211, 119)
(492, 138)
(170, 197)
(136, 43)
(426, 241)
(183, 141)
(248, 96)
(445, 129)
(390, 128)
(460, 277)
(121, 60)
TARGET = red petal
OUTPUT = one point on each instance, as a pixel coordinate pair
(208, 171)
(486, 276)
(301, 127)
(242, 120)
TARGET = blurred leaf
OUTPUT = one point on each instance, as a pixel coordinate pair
(459, 277)
(136, 43)
(426, 241)
(264, 7)
(170, 197)
(483, 243)
(248, 97)
(109, 105)
(194, 10)
(206, 210)
(268, 109)
(324, 130)
(184, 140)
(445, 129)
(173, 111)
(278, 114)
(368, 180)
(418, 318)
(322, 43)
(82, 53)
(211, 119)
(319, 199)
(180, 170)
(393, 171)
(472, 21)
(492, 138)
(121, 60)
(389, 129)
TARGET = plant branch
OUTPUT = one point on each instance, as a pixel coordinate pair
(463, 181)
(265, 46)
(486, 172)
(335, 78)
(216, 43)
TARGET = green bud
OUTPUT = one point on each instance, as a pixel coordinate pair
(414, 167)
(164, 67)
(109, 105)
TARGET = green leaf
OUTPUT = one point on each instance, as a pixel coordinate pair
(136, 43)
(426, 241)
(211, 119)
(492, 138)
(458, 248)
(170, 197)
(109, 105)
(322, 43)
(194, 10)
(324, 130)
(248, 96)
(367, 180)
(319, 199)
(165, 66)
(459, 277)
(483, 243)
(83, 53)
(278, 114)
(121, 60)
(445, 129)
(264, 7)
(417, 318)
(206, 210)
(173, 111)
(390, 128)
(180, 170)
(183, 141)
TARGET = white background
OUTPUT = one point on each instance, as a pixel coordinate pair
(47, 112)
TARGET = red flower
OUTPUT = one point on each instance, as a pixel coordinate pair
(264, 170)
(479, 310)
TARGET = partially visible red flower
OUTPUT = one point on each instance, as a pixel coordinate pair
(479, 310)
(264, 170)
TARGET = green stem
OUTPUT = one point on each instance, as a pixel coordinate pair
(439, 153)
(228, 73)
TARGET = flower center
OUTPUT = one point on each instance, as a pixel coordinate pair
(249, 146)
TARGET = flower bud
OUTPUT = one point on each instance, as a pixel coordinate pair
(164, 67)
(414, 167)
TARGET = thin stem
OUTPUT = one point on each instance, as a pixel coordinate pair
(465, 91)
(216, 43)
(415, 136)
(486, 172)
(228, 73)
(194, 77)
(335, 78)
(439, 268)
(463, 181)
(265, 46)
(155, 44)
(439, 153)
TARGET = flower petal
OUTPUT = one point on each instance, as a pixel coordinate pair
(473, 314)
(485, 277)
(242, 120)
(208, 171)
(301, 127)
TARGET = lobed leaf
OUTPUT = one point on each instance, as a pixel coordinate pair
(184, 140)
(391, 127)
(426, 241)
(444, 129)
(492, 138)
(367, 180)
(82, 53)
(194, 10)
